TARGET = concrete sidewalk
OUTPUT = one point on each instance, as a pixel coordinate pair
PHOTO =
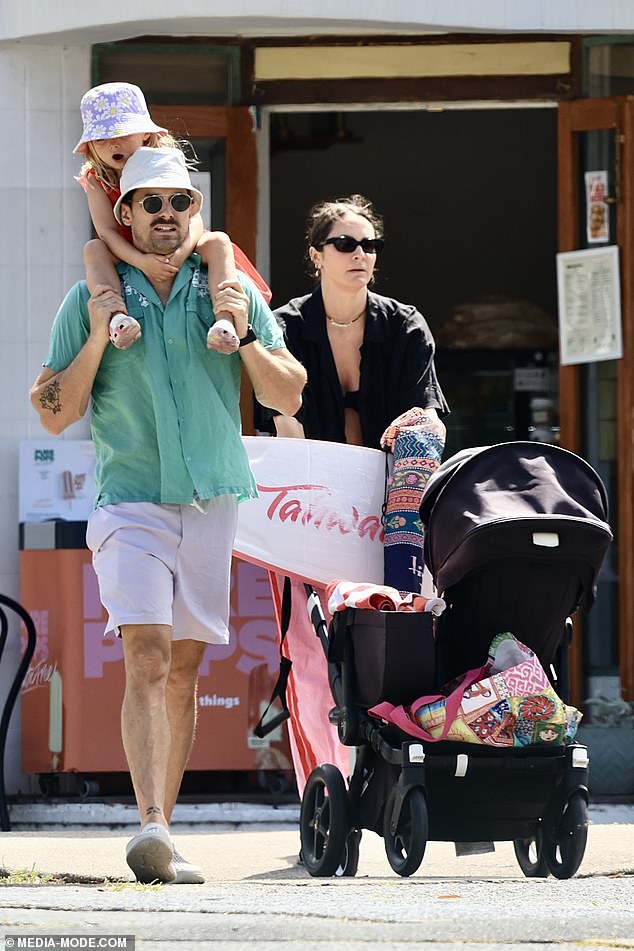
(237, 846)
(256, 896)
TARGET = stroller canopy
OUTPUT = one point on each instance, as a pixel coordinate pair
(515, 499)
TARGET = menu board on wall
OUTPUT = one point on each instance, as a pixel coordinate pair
(589, 295)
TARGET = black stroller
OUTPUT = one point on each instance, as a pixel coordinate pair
(515, 537)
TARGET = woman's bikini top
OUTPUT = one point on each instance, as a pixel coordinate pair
(351, 400)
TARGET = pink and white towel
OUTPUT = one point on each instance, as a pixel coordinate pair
(342, 594)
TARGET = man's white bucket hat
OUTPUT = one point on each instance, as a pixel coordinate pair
(156, 168)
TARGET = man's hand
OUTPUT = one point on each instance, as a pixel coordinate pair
(61, 398)
(230, 298)
(102, 305)
(158, 268)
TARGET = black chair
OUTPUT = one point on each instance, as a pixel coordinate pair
(25, 617)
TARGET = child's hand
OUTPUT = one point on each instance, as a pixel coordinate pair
(157, 268)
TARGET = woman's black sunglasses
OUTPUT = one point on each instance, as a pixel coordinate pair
(347, 244)
(152, 204)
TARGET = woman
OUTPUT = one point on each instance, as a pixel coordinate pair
(369, 358)
(369, 361)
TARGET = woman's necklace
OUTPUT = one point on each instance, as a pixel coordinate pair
(337, 323)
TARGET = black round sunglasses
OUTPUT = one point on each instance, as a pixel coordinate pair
(347, 244)
(152, 204)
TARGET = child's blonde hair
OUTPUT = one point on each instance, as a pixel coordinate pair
(109, 176)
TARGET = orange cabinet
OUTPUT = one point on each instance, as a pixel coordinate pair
(71, 696)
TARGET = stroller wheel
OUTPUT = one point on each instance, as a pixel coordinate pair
(323, 822)
(566, 843)
(350, 863)
(405, 841)
(530, 855)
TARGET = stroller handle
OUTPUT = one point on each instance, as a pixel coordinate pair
(316, 615)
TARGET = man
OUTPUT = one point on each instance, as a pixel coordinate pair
(171, 468)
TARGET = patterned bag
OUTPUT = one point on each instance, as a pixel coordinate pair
(507, 702)
(417, 441)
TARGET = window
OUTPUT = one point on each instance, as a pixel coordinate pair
(609, 68)
(187, 74)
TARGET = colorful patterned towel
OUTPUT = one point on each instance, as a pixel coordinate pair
(417, 440)
(508, 702)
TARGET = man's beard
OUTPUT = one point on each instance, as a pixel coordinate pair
(153, 242)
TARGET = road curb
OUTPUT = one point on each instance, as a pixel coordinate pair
(57, 815)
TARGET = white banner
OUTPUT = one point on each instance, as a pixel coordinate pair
(317, 518)
(318, 515)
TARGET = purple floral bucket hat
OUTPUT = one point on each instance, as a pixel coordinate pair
(112, 110)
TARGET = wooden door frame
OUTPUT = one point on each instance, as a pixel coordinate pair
(587, 115)
(234, 124)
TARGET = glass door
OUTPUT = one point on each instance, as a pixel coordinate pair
(597, 398)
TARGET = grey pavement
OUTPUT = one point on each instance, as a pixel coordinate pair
(256, 892)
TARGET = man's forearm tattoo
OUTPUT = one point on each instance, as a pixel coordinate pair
(50, 397)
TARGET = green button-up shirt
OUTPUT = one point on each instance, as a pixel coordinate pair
(165, 413)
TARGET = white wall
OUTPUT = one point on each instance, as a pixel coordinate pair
(45, 224)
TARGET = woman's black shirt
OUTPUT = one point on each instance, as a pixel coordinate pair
(397, 367)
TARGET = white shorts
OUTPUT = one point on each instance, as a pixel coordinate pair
(166, 564)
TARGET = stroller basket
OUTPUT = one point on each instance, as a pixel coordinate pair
(389, 653)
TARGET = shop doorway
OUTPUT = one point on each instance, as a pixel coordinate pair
(477, 202)
(469, 199)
